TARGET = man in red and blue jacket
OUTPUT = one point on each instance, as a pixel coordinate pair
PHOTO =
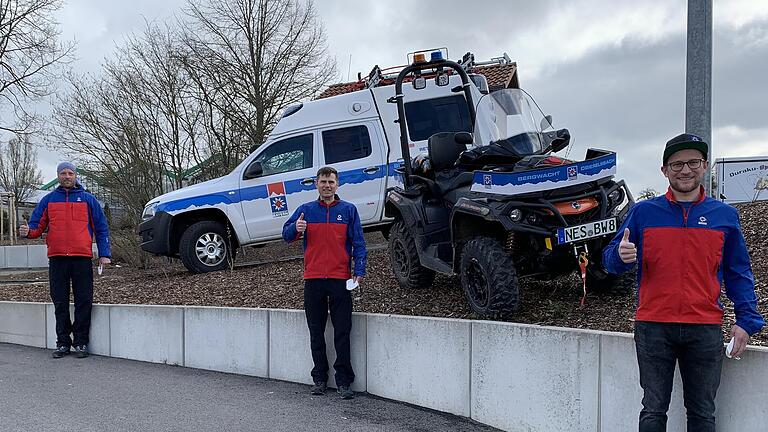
(72, 217)
(685, 245)
(333, 236)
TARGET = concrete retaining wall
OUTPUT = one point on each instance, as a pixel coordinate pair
(24, 256)
(23, 323)
(423, 361)
(27, 256)
(512, 376)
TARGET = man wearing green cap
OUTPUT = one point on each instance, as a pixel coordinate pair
(686, 245)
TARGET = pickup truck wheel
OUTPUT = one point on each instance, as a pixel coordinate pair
(204, 247)
(404, 257)
(489, 278)
(615, 285)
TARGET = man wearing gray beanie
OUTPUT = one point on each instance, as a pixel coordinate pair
(71, 217)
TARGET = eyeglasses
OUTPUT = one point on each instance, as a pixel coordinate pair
(692, 164)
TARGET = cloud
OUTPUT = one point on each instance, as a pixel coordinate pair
(735, 141)
(612, 72)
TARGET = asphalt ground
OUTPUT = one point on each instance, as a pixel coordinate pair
(39, 393)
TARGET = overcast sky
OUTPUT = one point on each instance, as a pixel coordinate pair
(612, 72)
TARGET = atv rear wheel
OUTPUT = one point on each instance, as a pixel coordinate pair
(610, 284)
(204, 247)
(404, 257)
(489, 278)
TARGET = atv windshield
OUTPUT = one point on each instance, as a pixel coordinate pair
(510, 118)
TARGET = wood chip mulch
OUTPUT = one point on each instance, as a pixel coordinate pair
(279, 285)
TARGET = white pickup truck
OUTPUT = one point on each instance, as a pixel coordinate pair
(355, 132)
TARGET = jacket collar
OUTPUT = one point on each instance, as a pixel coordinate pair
(78, 188)
(335, 201)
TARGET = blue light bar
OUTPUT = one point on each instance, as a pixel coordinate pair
(436, 55)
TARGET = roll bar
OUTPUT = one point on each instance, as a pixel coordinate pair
(466, 84)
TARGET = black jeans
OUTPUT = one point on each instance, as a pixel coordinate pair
(78, 271)
(318, 295)
(698, 350)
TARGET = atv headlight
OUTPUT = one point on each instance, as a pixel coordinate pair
(516, 215)
(616, 196)
(149, 211)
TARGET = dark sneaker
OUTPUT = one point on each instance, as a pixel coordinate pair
(60, 352)
(345, 392)
(81, 351)
(319, 388)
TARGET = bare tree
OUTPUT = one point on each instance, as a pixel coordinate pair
(100, 123)
(251, 58)
(29, 52)
(202, 94)
(647, 193)
(18, 167)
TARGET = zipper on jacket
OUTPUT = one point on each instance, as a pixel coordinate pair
(686, 213)
(327, 228)
(71, 214)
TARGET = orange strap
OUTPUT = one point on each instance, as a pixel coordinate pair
(583, 262)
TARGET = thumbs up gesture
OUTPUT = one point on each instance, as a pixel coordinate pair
(627, 249)
(301, 224)
(23, 228)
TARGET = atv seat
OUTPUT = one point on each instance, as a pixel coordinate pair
(444, 149)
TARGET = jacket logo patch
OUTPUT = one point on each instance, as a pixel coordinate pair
(702, 220)
(79, 199)
(277, 199)
(338, 217)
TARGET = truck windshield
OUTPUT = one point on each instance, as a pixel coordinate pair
(512, 119)
(430, 116)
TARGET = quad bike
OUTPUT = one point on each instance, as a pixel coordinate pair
(496, 205)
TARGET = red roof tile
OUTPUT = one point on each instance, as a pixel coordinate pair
(499, 76)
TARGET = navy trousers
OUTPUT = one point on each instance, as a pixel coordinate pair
(319, 295)
(77, 273)
(698, 351)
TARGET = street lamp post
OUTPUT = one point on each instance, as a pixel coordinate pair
(698, 77)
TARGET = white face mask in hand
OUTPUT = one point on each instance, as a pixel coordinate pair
(352, 284)
(728, 350)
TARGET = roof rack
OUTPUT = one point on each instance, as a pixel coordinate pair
(382, 77)
(468, 61)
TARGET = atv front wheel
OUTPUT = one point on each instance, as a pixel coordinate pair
(404, 257)
(204, 247)
(489, 278)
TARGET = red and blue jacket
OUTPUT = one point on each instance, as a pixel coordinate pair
(685, 252)
(72, 217)
(334, 235)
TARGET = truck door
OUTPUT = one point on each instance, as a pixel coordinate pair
(357, 153)
(287, 181)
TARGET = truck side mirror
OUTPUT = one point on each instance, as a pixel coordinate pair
(254, 170)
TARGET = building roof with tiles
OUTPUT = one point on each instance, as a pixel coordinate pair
(499, 76)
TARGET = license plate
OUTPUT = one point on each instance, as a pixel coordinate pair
(587, 231)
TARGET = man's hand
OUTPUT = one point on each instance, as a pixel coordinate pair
(740, 340)
(23, 230)
(627, 249)
(301, 224)
(358, 279)
(104, 261)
